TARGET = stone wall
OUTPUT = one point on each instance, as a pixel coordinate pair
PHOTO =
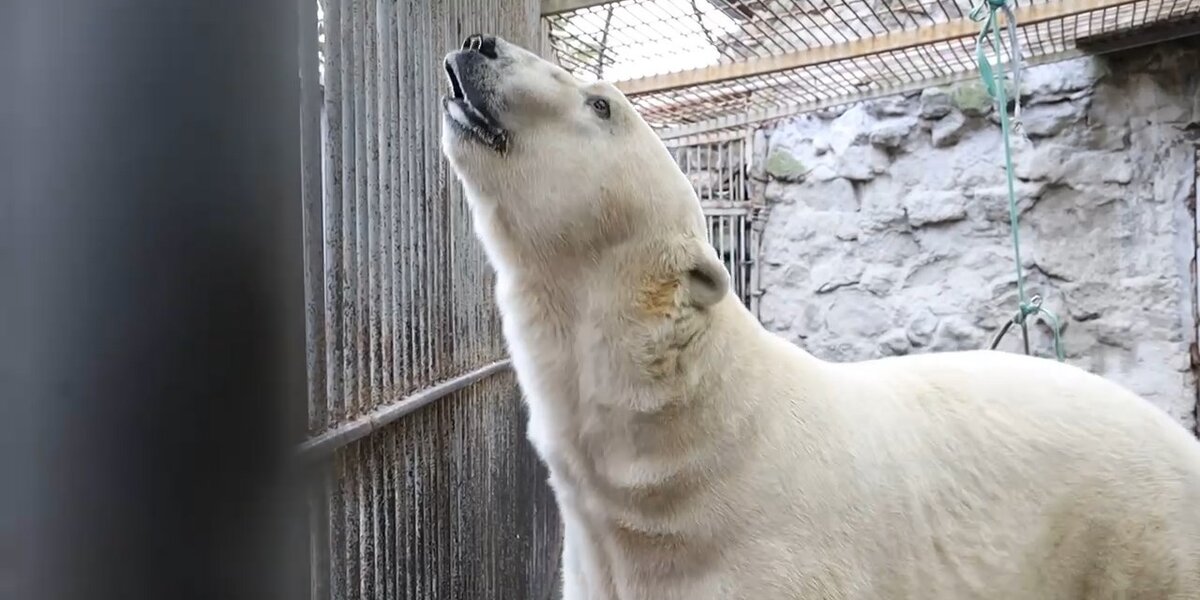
(888, 223)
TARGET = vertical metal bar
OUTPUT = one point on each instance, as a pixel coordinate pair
(311, 193)
(319, 538)
(366, 518)
(339, 564)
(378, 517)
(418, 205)
(420, 251)
(383, 28)
(425, 84)
(411, 553)
(739, 255)
(430, 159)
(404, 199)
(334, 272)
(351, 474)
(727, 254)
(335, 285)
(399, 562)
(362, 282)
(756, 226)
(349, 184)
(370, 326)
(1194, 346)
(420, 538)
(445, 360)
(396, 248)
(734, 255)
(739, 246)
(737, 174)
(310, 198)
(387, 540)
(374, 290)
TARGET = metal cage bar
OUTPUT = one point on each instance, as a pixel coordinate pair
(422, 484)
(717, 167)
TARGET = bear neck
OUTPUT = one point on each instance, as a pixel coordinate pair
(625, 395)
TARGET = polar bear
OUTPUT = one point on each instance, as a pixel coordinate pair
(696, 456)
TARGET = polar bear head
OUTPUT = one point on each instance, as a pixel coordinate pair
(559, 170)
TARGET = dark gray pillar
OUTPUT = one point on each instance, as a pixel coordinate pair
(153, 315)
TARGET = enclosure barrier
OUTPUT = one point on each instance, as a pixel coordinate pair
(423, 483)
(693, 68)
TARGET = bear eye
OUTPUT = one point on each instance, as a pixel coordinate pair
(600, 105)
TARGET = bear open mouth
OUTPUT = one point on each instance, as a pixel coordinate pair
(467, 108)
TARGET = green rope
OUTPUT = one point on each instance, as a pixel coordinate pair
(993, 80)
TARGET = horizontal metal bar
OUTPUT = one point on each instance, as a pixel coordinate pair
(888, 42)
(325, 443)
(726, 212)
(739, 206)
(704, 139)
(555, 7)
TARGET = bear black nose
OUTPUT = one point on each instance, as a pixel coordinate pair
(484, 44)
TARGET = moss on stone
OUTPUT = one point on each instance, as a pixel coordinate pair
(782, 165)
(971, 98)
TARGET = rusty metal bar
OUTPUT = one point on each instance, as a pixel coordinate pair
(325, 443)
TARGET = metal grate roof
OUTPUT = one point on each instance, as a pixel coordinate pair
(698, 66)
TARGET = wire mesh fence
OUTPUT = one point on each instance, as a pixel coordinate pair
(705, 65)
(423, 483)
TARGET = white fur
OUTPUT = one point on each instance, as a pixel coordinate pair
(696, 456)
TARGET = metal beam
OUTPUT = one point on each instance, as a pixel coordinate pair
(715, 137)
(325, 443)
(556, 7)
(889, 42)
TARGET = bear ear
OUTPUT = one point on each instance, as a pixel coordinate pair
(707, 280)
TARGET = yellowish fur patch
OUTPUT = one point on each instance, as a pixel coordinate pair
(656, 296)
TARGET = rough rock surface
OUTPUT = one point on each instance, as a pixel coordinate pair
(888, 222)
